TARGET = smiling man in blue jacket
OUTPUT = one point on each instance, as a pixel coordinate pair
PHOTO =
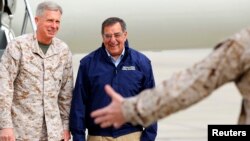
(126, 70)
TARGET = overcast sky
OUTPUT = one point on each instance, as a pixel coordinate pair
(152, 24)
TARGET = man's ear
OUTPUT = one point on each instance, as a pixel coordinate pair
(36, 19)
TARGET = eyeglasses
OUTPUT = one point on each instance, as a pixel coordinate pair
(116, 35)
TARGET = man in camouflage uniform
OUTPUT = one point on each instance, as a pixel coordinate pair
(36, 82)
(229, 62)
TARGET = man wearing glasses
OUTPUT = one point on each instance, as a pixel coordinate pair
(126, 70)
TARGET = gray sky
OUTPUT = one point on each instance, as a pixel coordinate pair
(152, 24)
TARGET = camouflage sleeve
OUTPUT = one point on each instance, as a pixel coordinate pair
(226, 63)
(9, 69)
(65, 95)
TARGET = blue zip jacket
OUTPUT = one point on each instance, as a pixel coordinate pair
(130, 77)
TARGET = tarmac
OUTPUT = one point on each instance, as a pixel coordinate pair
(191, 124)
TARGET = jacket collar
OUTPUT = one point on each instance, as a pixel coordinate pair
(36, 49)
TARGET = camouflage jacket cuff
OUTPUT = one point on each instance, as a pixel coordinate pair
(66, 125)
(130, 112)
(5, 121)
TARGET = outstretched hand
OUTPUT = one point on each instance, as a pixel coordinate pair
(110, 115)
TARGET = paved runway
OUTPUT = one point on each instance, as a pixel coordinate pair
(222, 107)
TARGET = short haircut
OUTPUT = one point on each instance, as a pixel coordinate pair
(113, 20)
(48, 5)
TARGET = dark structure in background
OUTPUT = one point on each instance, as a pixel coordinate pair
(7, 9)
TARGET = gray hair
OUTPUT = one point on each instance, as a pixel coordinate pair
(113, 20)
(48, 5)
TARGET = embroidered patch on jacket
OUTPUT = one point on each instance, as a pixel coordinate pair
(128, 68)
